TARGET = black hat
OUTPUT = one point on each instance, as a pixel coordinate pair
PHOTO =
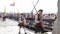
(40, 10)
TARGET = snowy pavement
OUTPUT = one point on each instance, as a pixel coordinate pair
(10, 27)
(23, 30)
(9, 30)
(8, 22)
(15, 30)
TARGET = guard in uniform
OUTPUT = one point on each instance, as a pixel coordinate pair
(4, 14)
(21, 21)
(38, 26)
(4, 17)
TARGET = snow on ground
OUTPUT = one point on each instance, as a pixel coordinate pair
(9, 30)
(23, 30)
(10, 27)
(49, 32)
(8, 22)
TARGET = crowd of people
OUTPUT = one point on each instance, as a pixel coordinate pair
(49, 16)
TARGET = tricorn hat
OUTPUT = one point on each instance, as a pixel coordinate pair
(40, 10)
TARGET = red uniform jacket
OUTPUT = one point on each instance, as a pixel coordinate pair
(39, 19)
(22, 19)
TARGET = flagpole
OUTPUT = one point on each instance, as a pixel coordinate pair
(4, 14)
(4, 10)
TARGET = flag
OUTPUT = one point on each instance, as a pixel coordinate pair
(12, 4)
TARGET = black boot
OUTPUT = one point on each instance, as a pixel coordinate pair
(25, 33)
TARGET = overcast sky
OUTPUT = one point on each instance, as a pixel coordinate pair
(21, 6)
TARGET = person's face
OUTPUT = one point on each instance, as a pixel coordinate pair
(39, 12)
